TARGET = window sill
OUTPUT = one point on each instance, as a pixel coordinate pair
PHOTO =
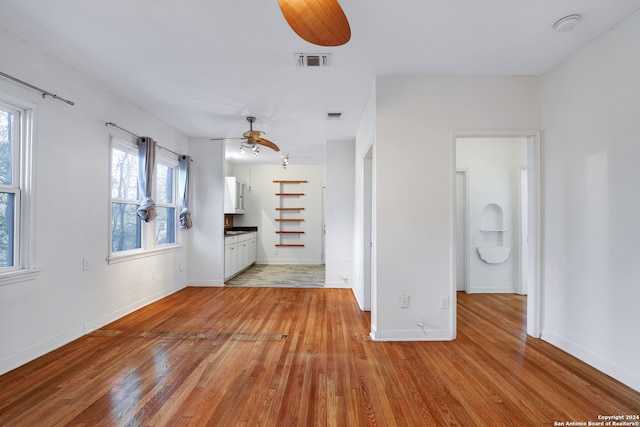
(130, 256)
(17, 276)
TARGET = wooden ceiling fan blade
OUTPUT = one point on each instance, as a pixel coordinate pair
(267, 143)
(253, 134)
(321, 22)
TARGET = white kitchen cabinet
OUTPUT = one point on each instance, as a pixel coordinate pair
(240, 252)
(230, 256)
(234, 195)
(253, 249)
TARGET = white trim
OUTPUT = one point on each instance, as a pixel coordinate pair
(22, 186)
(620, 373)
(16, 276)
(206, 283)
(125, 256)
(170, 162)
(467, 241)
(30, 353)
(413, 335)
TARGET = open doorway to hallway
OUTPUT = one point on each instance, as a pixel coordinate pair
(495, 200)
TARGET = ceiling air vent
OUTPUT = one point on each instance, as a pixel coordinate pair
(313, 59)
(334, 115)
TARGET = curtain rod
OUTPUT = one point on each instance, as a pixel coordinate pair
(42, 91)
(133, 134)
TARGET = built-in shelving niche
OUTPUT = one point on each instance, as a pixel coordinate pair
(289, 214)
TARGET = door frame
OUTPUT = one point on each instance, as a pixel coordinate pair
(523, 201)
(368, 232)
(465, 220)
(534, 208)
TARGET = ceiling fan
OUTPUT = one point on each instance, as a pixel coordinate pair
(321, 22)
(252, 138)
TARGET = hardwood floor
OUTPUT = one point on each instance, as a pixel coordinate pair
(302, 357)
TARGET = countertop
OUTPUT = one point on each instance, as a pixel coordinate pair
(235, 231)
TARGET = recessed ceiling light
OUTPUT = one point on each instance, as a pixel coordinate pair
(567, 23)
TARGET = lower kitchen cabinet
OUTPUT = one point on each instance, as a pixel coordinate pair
(240, 252)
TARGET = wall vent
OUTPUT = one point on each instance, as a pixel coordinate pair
(313, 60)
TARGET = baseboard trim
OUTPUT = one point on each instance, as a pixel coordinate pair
(606, 366)
(205, 283)
(33, 352)
(412, 335)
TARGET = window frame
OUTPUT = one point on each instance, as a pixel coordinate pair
(21, 186)
(148, 246)
(131, 149)
(170, 161)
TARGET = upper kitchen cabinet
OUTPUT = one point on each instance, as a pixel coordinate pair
(234, 192)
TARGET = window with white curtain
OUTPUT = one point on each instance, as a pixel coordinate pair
(16, 241)
(129, 234)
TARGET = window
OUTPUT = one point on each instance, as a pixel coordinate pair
(129, 234)
(126, 226)
(16, 244)
(165, 189)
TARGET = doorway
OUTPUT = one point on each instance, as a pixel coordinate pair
(497, 224)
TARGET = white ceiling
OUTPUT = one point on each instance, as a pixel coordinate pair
(204, 65)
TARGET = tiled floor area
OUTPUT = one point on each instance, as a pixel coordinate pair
(281, 276)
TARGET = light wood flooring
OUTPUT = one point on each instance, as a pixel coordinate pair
(281, 276)
(302, 357)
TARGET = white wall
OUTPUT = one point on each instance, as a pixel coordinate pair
(206, 246)
(260, 210)
(591, 203)
(416, 119)
(339, 213)
(72, 213)
(492, 166)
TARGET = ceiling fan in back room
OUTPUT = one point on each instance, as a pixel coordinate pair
(321, 22)
(251, 139)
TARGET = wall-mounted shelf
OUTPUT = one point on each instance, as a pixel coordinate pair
(285, 234)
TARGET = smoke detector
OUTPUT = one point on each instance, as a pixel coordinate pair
(567, 23)
(313, 60)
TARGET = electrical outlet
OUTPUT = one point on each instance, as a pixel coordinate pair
(154, 275)
(444, 302)
(404, 301)
(85, 264)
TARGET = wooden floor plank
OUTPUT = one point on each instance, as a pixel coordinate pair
(303, 357)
